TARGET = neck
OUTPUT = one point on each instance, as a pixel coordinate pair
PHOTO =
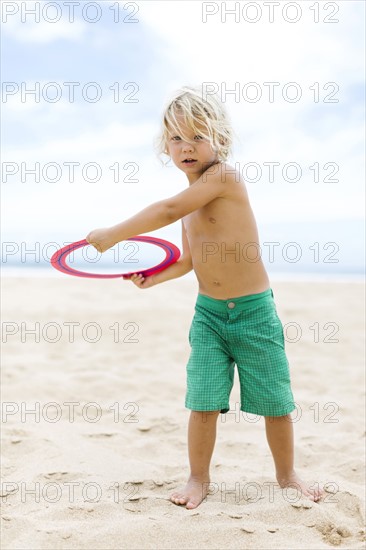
(192, 178)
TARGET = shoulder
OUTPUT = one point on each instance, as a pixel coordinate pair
(222, 170)
(223, 173)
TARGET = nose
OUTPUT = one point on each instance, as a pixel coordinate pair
(187, 146)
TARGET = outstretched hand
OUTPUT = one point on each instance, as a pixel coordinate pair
(101, 239)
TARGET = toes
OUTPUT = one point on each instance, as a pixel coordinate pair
(180, 501)
(309, 494)
(178, 498)
(316, 494)
(191, 504)
(191, 496)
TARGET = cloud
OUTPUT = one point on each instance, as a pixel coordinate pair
(170, 47)
(42, 32)
(110, 140)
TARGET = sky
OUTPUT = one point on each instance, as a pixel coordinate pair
(101, 77)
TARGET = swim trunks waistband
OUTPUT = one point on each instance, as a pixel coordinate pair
(240, 303)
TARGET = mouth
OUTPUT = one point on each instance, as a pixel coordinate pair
(189, 161)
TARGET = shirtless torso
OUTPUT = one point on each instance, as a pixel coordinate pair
(224, 244)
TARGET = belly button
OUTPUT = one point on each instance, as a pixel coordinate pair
(212, 220)
(216, 283)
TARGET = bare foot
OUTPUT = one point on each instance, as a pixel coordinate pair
(309, 491)
(193, 493)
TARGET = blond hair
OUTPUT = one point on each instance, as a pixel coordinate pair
(209, 113)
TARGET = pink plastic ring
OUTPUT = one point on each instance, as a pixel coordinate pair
(58, 260)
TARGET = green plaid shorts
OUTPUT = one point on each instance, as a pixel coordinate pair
(245, 331)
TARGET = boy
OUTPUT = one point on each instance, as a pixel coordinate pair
(235, 320)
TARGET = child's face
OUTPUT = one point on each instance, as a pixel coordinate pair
(200, 151)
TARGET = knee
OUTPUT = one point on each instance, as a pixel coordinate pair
(286, 417)
(206, 415)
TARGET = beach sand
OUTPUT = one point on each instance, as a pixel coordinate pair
(104, 373)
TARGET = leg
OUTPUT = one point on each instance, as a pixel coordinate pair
(201, 442)
(280, 438)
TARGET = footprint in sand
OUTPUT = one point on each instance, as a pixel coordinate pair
(62, 476)
(332, 533)
(101, 435)
(159, 425)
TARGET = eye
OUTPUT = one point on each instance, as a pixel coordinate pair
(175, 138)
(198, 138)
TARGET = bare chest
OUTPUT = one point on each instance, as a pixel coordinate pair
(206, 219)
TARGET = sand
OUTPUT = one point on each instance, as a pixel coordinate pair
(93, 466)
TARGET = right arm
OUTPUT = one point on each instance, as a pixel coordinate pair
(178, 269)
(209, 186)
